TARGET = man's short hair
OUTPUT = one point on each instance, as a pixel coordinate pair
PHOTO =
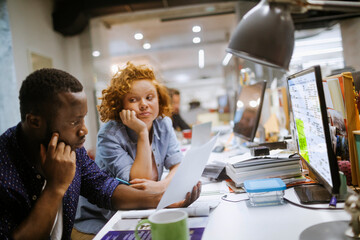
(173, 91)
(38, 92)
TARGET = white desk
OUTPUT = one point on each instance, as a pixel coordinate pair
(238, 221)
(232, 221)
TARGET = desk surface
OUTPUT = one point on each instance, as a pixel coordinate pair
(237, 220)
(233, 221)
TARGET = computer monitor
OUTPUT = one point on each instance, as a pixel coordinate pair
(310, 117)
(248, 110)
(223, 104)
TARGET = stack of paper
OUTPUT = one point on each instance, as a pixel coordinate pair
(264, 167)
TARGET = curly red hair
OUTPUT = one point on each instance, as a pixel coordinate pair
(120, 85)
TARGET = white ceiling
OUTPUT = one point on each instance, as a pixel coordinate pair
(173, 54)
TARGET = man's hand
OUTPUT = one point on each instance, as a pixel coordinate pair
(145, 184)
(128, 117)
(58, 164)
(190, 197)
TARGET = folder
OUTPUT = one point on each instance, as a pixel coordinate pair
(342, 89)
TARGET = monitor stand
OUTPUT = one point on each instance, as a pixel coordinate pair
(312, 194)
(336, 230)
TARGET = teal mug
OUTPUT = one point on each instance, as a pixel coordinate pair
(166, 224)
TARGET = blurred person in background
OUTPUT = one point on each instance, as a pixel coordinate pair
(179, 123)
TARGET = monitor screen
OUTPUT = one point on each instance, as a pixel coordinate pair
(223, 104)
(312, 128)
(248, 110)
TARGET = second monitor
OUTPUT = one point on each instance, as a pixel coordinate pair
(248, 110)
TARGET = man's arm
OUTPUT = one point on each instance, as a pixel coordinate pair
(58, 166)
(125, 197)
(41, 218)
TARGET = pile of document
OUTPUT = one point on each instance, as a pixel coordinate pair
(281, 165)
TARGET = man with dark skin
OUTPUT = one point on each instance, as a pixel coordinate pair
(44, 167)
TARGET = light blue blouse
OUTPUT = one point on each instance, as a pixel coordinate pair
(115, 153)
(117, 145)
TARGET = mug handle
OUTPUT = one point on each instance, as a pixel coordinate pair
(138, 225)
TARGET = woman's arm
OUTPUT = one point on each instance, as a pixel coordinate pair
(165, 182)
(142, 166)
(146, 184)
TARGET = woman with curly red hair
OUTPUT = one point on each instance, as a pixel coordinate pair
(137, 139)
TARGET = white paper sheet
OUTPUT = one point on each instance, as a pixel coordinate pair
(201, 134)
(188, 174)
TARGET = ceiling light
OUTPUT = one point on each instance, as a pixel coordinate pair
(318, 41)
(146, 45)
(196, 29)
(239, 104)
(181, 78)
(317, 52)
(339, 62)
(265, 35)
(226, 59)
(114, 69)
(253, 103)
(196, 40)
(96, 53)
(138, 36)
(201, 58)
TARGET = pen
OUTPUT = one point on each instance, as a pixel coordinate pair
(122, 181)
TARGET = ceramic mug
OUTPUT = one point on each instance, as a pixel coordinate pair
(166, 224)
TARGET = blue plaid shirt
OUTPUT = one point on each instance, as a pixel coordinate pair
(21, 185)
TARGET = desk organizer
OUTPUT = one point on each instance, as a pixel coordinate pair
(264, 192)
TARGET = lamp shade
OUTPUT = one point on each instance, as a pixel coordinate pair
(265, 35)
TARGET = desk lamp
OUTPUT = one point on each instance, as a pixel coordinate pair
(265, 35)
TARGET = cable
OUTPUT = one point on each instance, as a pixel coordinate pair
(287, 200)
(234, 201)
(312, 208)
(302, 184)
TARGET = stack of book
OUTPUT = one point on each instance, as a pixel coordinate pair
(284, 167)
